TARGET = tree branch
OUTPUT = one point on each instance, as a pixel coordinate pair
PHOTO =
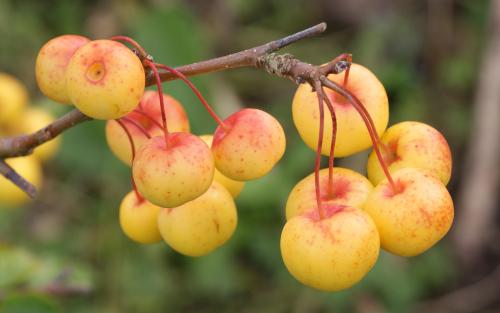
(258, 57)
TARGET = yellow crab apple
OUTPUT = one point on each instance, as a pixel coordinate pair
(348, 188)
(28, 167)
(139, 219)
(352, 135)
(13, 98)
(413, 218)
(233, 186)
(412, 144)
(51, 64)
(171, 172)
(177, 121)
(249, 145)
(105, 80)
(333, 252)
(202, 225)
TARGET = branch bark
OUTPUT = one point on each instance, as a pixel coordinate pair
(258, 57)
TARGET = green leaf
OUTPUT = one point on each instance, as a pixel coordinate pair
(16, 266)
(28, 304)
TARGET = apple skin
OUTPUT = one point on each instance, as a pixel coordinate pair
(252, 145)
(352, 135)
(333, 253)
(169, 177)
(105, 80)
(177, 121)
(349, 188)
(200, 226)
(51, 64)
(13, 98)
(412, 144)
(233, 186)
(139, 219)
(28, 167)
(413, 220)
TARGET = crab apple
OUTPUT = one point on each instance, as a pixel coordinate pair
(139, 219)
(330, 253)
(51, 64)
(202, 225)
(249, 145)
(416, 216)
(13, 98)
(412, 144)
(174, 172)
(348, 188)
(105, 79)
(233, 186)
(352, 135)
(28, 167)
(117, 139)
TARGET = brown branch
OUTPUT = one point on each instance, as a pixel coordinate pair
(24, 144)
(9, 173)
(245, 58)
(257, 57)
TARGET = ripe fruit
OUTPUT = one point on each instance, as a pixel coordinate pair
(13, 98)
(117, 139)
(252, 143)
(332, 253)
(33, 120)
(233, 186)
(105, 79)
(51, 64)
(412, 144)
(173, 175)
(352, 135)
(139, 219)
(413, 219)
(200, 226)
(29, 168)
(349, 188)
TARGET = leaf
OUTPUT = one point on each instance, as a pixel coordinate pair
(28, 304)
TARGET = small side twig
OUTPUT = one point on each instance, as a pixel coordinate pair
(9, 173)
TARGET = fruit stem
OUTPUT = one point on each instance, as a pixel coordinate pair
(132, 42)
(368, 122)
(317, 161)
(160, 94)
(137, 125)
(132, 146)
(332, 143)
(149, 117)
(197, 92)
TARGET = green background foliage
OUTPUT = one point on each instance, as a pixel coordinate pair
(70, 236)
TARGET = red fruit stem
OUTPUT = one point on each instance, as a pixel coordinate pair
(368, 122)
(197, 92)
(132, 42)
(332, 144)
(132, 146)
(317, 161)
(137, 125)
(347, 71)
(149, 117)
(160, 94)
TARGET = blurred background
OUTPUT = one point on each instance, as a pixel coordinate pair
(440, 63)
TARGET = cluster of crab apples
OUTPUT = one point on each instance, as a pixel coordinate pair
(184, 185)
(18, 116)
